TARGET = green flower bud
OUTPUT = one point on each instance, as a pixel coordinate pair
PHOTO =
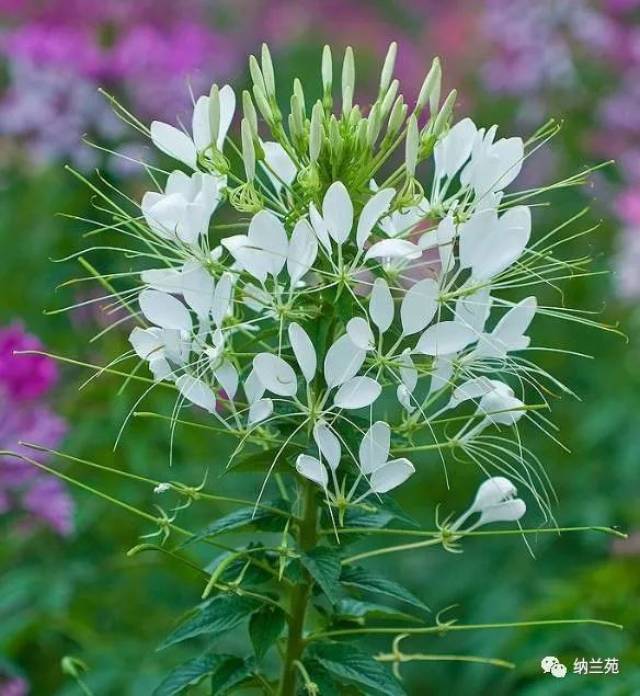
(250, 114)
(387, 68)
(430, 90)
(267, 72)
(348, 80)
(248, 151)
(214, 113)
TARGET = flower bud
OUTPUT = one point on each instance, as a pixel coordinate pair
(494, 490)
(387, 68)
(256, 74)
(248, 151)
(442, 119)
(315, 132)
(267, 72)
(373, 125)
(389, 98)
(327, 71)
(430, 90)
(250, 115)
(397, 117)
(299, 93)
(411, 146)
(262, 104)
(214, 113)
(348, 80)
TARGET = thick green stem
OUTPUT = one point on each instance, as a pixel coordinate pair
(307, 538)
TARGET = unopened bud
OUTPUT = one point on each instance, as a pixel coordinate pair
(348, 80)
(373, 125)
(267, 72)
(327, 71)
(387, 68)
(299, 92)
(214, 113)
(411, 146)
(248, 151)
(397, 117)
(389, 98)
(445, 113)
(430, 90)
(263, 104)
(256, 74)
(250, 114)
(315, 133)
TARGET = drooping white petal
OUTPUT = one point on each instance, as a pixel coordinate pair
(303, 350)
(445, 337)
(328, 444)
(509, 511)
(253, 387)
(509, 156)
(471, 389)
(164, 310)
(496, 489)
(511, 327)
(253, 260)
(260, 410)
(227, 375)
(174, 143)
(452, 151)
(419, 306)
(276, 375)
(342, 362)
(222, 298)
(197, 392)
(408, 372)
(374, 447)
(302, 252)
(381, 305)
(337, 212)
(147, 343)
(360, 333)
(500, 406)
(391, 475)
(312, 469)
(373, 210)
(357, 393)
(281, 169)
(393, 249)
(267, 233)
(197, 287)
(163, 279)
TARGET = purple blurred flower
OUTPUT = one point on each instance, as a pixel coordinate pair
(24, 376)
(13, 686)
(24, 379)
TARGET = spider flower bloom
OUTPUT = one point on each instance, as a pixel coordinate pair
(24, 381)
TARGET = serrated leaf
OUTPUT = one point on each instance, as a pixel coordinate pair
(324, 566)
(244, 517)
(347, 663)
(355, 610)
(221, 614)
(230, 674)
(189, 673)
(370, 581)
(265, 628)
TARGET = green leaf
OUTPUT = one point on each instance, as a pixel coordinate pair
(324, 566)
(221, 614)
(370, 581)
(244, 517)
(262, 460)
(230, 674)
(355, 610)
(347, 663)
(189, 673)
(265, 628)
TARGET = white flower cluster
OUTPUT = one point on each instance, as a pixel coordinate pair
(341, 289)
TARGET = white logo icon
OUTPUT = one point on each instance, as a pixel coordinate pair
(551, 665)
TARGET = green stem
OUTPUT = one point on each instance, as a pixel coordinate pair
(307, 538)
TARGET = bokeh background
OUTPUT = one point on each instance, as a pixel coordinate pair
(66, 586)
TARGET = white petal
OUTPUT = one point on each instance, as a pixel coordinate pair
(473, 310)
(337, 212)
(509, 511)
(408, 372)
(357, 393)
(419, 306)
(303, 350)
(222, 298)
(501, 407)
(509, 155)
(227, 375)
(391, 475)
(227, 109)
(200, 124)
(381, 305)
(452, 151)
(147, 343)
(197, 287)
(260, 410)
(276, 375)
(374, 448)
(320, 228)
(267, 233)
(442, 371)
(174, 143)
(471, 389)
(405, 399)
(328, 444)
(284, 169)
(360, 333)
(197, 392)
(254, 261)
(373, 210)
(164, 310)
(496, 489)
(342, 362)
(445, 337)
(253, 387)
(393, 249)
(312, 469)
(302, 252)
(511, 327)
(163, 279)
